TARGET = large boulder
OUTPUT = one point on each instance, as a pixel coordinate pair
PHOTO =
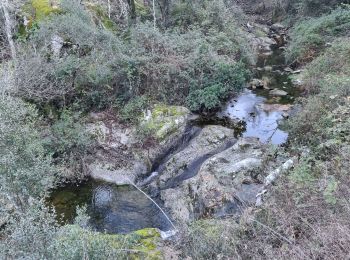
(165, 120)
(118, 157)
(224, 182)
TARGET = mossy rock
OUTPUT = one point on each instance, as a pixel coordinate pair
(141, 244)
(33, 12)
(165, 120)
(44, 8)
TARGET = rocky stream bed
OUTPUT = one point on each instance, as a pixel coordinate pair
(202, 168)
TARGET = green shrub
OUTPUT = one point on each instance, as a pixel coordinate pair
(26, 169)
(86, 68)
(132, 111)
(69, 143)
(310, 36)
(216, 86)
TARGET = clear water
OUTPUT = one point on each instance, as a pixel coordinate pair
(112, 208)
(259, 123)
(248, 106)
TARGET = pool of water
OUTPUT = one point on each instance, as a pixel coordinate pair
(259, 123)
(112, 208)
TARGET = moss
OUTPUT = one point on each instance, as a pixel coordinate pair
(101, 15)
(165, 120)
(164, 110)
(142, 243)
(147, 233)
(43, 8)
(34, 11)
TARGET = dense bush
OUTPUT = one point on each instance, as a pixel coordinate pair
(328, 77)
(68, 141)
(93, 66)
(216, 85)
(35, 234)
(309, 37)
(26, 169)
(84, 65)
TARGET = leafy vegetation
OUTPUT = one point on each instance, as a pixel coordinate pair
(77, 57)
(311, 36)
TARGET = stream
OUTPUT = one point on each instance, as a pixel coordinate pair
(123, 209)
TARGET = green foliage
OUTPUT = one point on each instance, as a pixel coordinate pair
(310, 36)
(68, 135)
(316, 7)
(83, 70)
(68, 142)
(217, 85)
(132, 111)
(329, 192)
(34, 234)
(322, 124)
(94, 67)
(101, 15)
(304, 174)
(208, 239)
(25, 166)
(29, 234)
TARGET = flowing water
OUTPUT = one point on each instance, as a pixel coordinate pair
(122, 209)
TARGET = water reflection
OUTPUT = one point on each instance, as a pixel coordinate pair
(259, 123)
(114, 209)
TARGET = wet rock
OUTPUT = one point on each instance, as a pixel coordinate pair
(210, 139)
(256, 83)
(149, 179)
(224, 182)
(278, 93)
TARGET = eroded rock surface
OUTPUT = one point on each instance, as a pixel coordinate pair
(118, 158)
(224, 182)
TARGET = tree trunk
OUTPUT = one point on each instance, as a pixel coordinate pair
(165, 12)
(8, 28)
